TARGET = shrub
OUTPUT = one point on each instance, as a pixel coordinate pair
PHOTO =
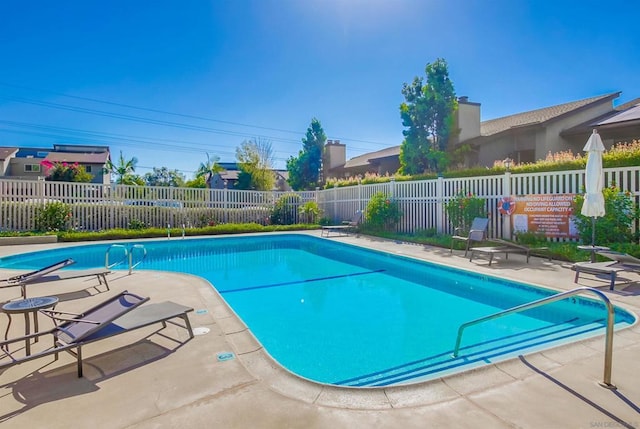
(309, 211)
(285, 209)
(136, 224)
(55, 216)
(64, 172)
(463, 208)
(382, 212)
(616, 226)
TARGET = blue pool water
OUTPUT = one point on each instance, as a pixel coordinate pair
(344, 315)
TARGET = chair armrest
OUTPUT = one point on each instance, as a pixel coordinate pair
(53, 314)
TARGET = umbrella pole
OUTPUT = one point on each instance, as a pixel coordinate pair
(593, 231)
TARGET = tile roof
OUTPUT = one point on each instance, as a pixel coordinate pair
(365, 159)
(6, 152)
(538, 116)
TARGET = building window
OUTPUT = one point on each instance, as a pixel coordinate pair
(32, 168)
(87, 169)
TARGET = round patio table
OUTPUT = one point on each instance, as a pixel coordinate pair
(28, 306)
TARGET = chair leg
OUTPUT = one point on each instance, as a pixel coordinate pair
(613, 280)
(79, 360)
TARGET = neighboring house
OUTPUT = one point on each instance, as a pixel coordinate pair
(25, 163)
(523, 137)
(229, 177)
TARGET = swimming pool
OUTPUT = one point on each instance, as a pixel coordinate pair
(344, 315)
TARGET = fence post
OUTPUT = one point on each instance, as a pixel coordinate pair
(226, 199)
(440, 226)
(334, 201)
(506, 219)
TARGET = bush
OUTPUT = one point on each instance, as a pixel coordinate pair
(54, 216)
(382, 213)
(64, 172)
(463, 208)
(309, 211)
(616, 226)
(136, 224)
(285, 209)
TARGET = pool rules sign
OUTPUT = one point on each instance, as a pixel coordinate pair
(549, 214)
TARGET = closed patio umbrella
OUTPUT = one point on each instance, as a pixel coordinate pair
(594, 182)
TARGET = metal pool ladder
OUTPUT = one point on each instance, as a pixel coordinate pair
(608, 352)
(128, 255)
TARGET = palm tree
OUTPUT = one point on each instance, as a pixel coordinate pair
(123, 169)
(208, 169)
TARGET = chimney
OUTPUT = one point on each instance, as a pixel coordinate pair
(335, 154)
(467, 119)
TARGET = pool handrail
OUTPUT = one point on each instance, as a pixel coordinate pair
(608, 353)
(106, 256)
(128, 256)
(144, 255)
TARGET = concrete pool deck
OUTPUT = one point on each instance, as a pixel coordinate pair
(146, 380)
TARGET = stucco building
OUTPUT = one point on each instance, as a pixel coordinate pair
(524, 137)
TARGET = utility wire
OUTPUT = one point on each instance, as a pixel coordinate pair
(94, 100)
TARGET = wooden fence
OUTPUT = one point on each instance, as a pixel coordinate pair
(100, 207)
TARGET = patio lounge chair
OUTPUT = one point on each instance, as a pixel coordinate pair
(16, 280)
(619, 262)
(119, 314)
(99, 273)
(477, 232)
(345, 227)
(46, 274)
(507, 247)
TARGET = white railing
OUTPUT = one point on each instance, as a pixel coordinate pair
(98, 207)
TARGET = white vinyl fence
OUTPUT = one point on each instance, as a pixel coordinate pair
(100, 207)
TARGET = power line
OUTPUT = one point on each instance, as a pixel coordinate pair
(119, 137)
(94, 100)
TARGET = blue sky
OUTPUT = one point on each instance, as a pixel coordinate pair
(168, 81)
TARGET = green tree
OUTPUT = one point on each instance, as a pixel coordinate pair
(164, 177)
(305, 169)
(427, 113)
(208, 169)
(255, 160)
(123, 170)
(197, 182)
